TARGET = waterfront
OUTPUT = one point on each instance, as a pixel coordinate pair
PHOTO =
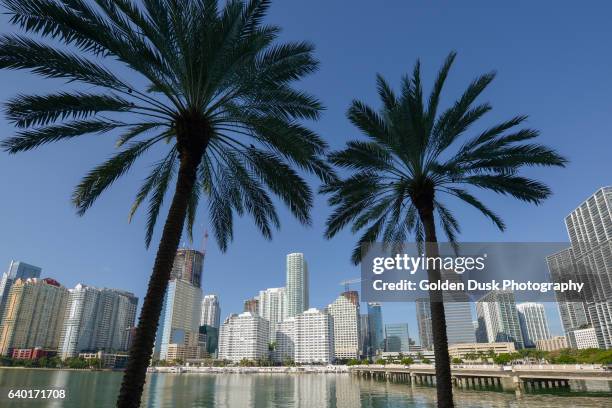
(97, 388)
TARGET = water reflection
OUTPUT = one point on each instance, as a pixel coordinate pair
(99, 389)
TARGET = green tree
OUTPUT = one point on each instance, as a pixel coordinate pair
(215, 94)
(426, 361)
(381, 361)
(407, 361)
(456, 360)
(411, 159)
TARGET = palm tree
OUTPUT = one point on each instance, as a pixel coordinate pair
(215, 91)
(413, 158)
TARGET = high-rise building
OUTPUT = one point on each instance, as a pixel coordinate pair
(273, 307)
(497, 315)
(34, 315)
(573, 312)
(209, 340)
(244, 336)
(364, 330)
(211, 311)
(375, 320)
(397, 338)
(534, 325)
(179, 322)
(252, 305)
(459, 327)
(344, 312)
(297, 284)
(285, 341)
(187, 266)
(590, 231)
(314, 337)
(423, 312)
(584, 338)
(17, 270)
(97, 320)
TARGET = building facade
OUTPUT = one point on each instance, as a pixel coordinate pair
(376, 330)
(33, 316)
(552, 344)
(584, 338)
(344, 312)
(179, 322)
(314, 338)
(273, 307)
(252, 305)
(397, 338)
(211, 311)
(462, 350)
(244, 336)
(534, 325)
(459, 326)
(187, 266)
(285, 341)
(498, 318)
(423, 312)
(97, 320)
(297, 284)
(16, 270)
(590, 231)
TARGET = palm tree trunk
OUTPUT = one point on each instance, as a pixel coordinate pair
(190, 155)
(444, 385)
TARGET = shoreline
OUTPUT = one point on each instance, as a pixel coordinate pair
(251, 370)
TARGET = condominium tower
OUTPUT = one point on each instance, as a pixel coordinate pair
(314, 337)
(423, 312)
(273, 307)
(34, 315)
(534, 324)
(498, 318)
(188, 265)
(244, 336)
(17, 270)
(211, 311)
(97, 319)
(344, 312)
(297, 284)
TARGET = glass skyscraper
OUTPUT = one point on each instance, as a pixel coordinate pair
(498, 318)
(397, 338)
(375, 322)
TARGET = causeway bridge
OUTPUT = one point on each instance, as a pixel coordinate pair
(517, 378)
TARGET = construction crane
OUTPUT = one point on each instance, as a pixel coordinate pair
(347, 283)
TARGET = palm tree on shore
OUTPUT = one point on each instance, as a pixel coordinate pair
(413, 157)
(218, 96)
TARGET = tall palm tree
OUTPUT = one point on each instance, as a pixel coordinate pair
(216, 90)
(412, 158)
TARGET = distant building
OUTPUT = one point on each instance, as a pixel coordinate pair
(459, 327)
(375, 320)
(244, 336)
(273, 307)
(211, 311)
(423, 312)
(297, 284)
(178, 330)
(32, 353)
(252, 305)
(462, 350)
(107, 360)
(17, 270)
(97, 319)
(364, 334)
(344, 312)
(584, 338)
(397, 337)
(590, 231)
(34, 315)
(552, 344)
(208, 340)
(534, 325)
(314, 337)
(285, 341)
(187, 266)
(497, 315)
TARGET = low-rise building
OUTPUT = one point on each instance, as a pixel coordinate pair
(32, 353)
(552, 344)
(461, 350)
(107, 360)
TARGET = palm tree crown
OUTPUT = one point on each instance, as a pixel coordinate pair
(414, 156)
(217, 85)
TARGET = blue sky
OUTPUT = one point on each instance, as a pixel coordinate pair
(553, 63)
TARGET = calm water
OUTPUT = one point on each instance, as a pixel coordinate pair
(89, 389)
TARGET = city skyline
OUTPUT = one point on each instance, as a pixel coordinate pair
(103, 249)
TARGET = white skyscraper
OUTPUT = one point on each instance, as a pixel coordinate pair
(344, 312)
(498, 318)
(273, 307)
(314, 337)
(285, 340)
(297, 284)
(211, 311)
(244, 336)
(179, 322)
(534, 325)
(97, 319)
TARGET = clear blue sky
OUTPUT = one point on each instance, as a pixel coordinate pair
(553, 62)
